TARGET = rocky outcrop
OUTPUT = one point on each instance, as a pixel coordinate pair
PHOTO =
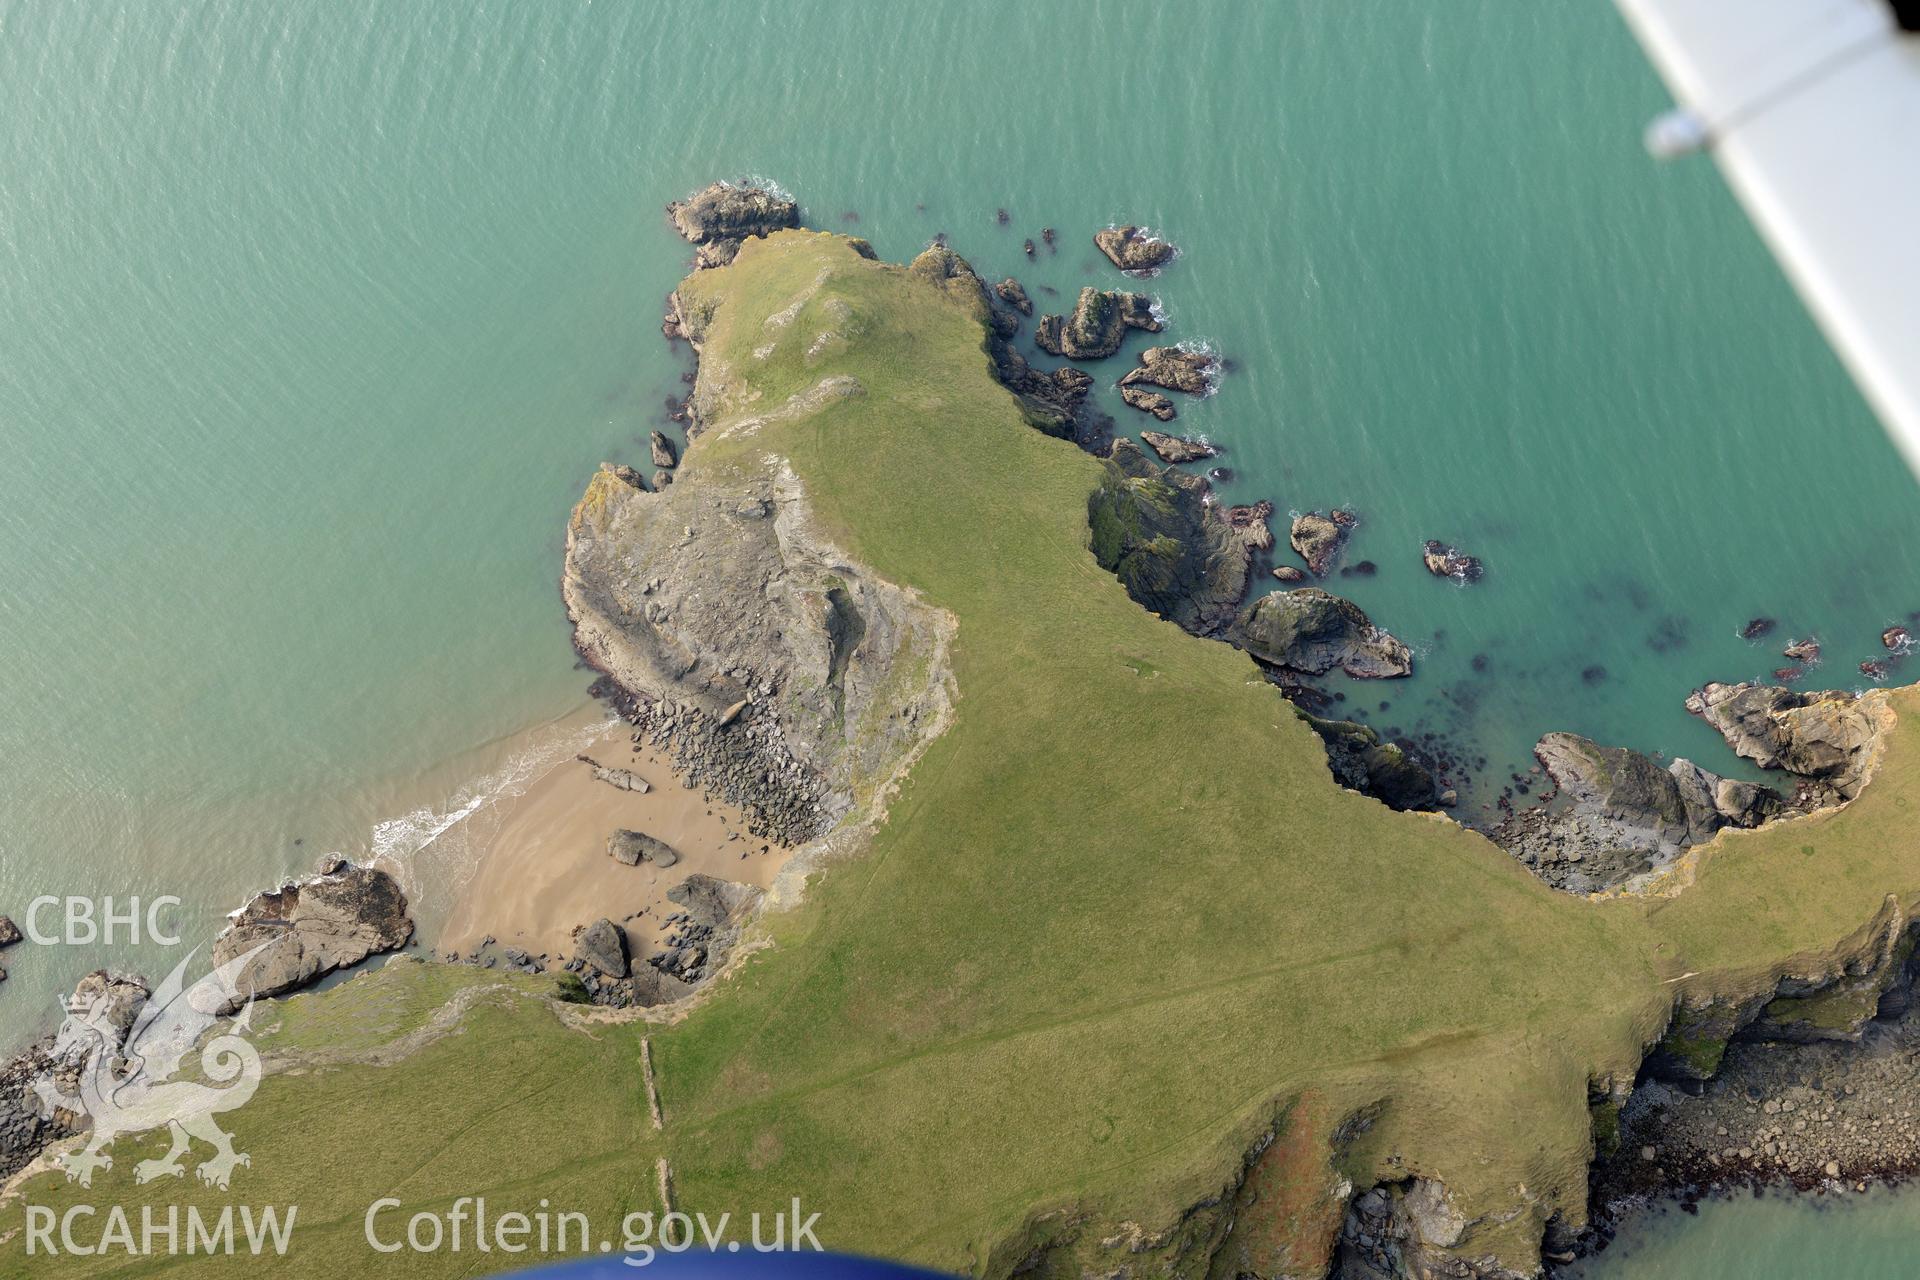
(1149, 402)
(705, 933)
(30, 1123)
(1310, 632)
(1319, 539)
(1288, 574)
(9, 934)
(1802, 651)
(1159, 531)
(1097, 325)
(619, 779)
(1175, 368)
(1897, 640)
(311, 927)
(706, 595)
(1617, 815)
(602, 947)
(1829, 740)
(1360, 760)
(662, 451)
(718, 218)
(1014, 294)
(1178, 449)
(1249, 522)
(1443, 561)
(636, 847)
(1134, 250)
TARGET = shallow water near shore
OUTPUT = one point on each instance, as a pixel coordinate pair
(320, 317)
(1861, 1236)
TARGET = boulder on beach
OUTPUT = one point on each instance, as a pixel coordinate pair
(718, 218)
(1312, 632)
(1097, 325)
(603, 946)
(1176, 448)
(620, 779)
(1443, 561)
(1133, 250)
(635, 847)
(1150, 402)
(1318, 539)
(332, 920)
(1175, 368)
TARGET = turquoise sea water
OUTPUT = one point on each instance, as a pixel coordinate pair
(316, 318)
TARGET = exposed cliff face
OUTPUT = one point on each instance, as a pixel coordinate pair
(719, 600)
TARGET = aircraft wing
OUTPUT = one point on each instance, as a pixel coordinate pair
(1812, 108)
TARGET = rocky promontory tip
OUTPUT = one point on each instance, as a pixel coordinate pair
(1097, 325)
(1149, 402)
(328, 921)
(1828, 739)
(1310, 632)
(719, 217)
(1134, 250)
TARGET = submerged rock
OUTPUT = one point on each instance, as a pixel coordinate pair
(1134, 251)
(718, 218)
(1318, 539)
(1177, 448)
(1156, 528)
(1359, 759)
(1756, 628)
(329, 921)
(1829, 739)
(1149, 402)
(1443, 561)
(1312, 632)
(635, 847)
(1097, 325)
(1174, 368)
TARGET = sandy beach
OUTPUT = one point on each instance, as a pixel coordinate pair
(546, 871)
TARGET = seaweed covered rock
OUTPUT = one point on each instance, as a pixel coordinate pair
(1359, 759)
(1156, 529)
(1828, 739)
(1097, 325)
(1135, 250)
(1175, 368)
(718, 218)
(1310, 632)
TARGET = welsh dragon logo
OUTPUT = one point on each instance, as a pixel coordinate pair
(126, 1086)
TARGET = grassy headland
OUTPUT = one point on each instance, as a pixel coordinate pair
(1117, 927)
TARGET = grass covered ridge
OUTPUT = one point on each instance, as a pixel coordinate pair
(1119, 924)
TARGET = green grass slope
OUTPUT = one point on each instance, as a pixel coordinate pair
(1118, 924)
